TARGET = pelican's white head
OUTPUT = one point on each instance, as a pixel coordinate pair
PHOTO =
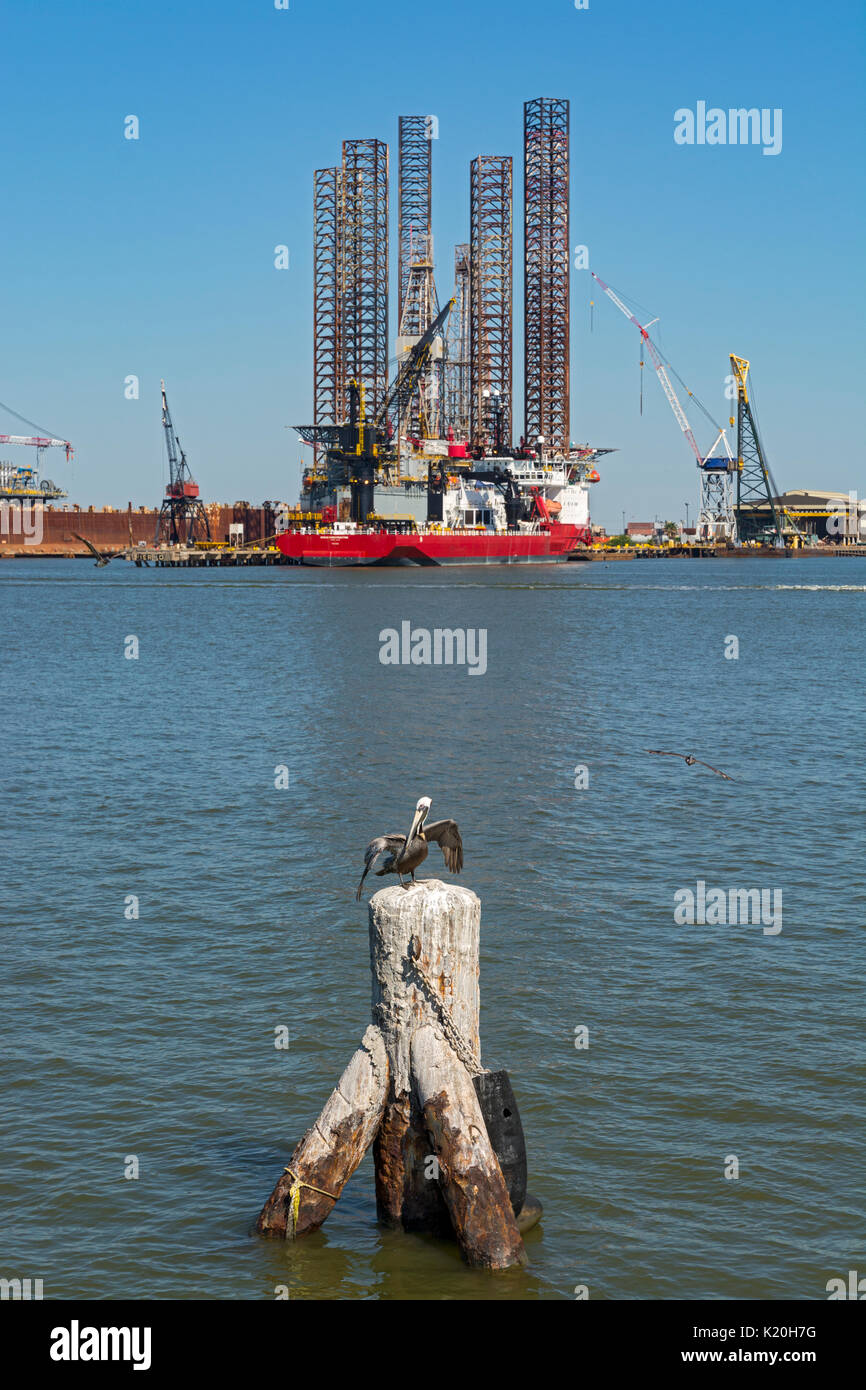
(421, 812)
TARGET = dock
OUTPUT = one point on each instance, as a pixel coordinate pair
(219, 556)
(203, 557)
(713, 552)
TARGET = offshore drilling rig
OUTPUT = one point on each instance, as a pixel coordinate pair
(386, 449)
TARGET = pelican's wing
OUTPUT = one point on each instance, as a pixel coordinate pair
(716, 770)
(391, 843)
(447, 836)
(383, 843)
(665, 753)
(90, 546)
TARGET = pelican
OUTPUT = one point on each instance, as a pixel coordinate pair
(103, 557)
(406, 852)
(690, 760)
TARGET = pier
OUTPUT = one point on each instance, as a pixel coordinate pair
(210, 555)
(713, 552)
(204, 556)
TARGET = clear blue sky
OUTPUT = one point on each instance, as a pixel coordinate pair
(155, 257)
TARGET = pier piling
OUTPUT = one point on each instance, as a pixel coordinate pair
(409, 1091)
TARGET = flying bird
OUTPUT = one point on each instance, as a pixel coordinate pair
(406, 852)
(690, 761)
(103, 557)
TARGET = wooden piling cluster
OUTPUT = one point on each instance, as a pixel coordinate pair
(409, 1091)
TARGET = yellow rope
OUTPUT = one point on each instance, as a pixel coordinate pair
(295, 1196)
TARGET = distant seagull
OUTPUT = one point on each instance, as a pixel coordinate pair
(103, 557)
(406, 852)
(690, 761)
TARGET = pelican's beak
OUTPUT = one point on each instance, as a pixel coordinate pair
(417, 822)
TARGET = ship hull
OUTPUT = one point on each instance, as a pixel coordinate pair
(432, 548)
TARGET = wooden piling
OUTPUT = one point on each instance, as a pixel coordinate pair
(409, 1089)
(469, 1173)
(329, 1153)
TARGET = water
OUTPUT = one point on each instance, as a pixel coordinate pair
(155, 1037)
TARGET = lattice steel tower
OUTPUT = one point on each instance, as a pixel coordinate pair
(328, 365)
(490, 316)
(457, 401)
(415, 196)
(546, 272)
(364, 271)
(755, 488)
(418, 303)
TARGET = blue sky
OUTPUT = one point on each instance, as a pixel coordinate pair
(155, 257)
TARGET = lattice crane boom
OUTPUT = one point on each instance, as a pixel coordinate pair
(39, 441)
(717, 519)
(661, 372)
(755, 486)
(176, 467)
(402, 388)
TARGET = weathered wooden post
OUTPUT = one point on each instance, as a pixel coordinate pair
(410, 1087)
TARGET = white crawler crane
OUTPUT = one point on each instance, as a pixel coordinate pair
(716, 519)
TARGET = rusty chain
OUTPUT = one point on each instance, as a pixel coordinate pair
(457, 1041)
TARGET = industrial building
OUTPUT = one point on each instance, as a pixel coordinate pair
(811, 514)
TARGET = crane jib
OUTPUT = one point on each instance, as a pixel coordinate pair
(36, 440)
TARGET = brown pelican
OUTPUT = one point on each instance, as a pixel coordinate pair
(103, 557)
(690, 761)
(406, 852)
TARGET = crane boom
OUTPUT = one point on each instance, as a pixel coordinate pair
(402, 388)
(394, 404)
(659, 365)
(171, 442)
(755, 485)
(38, 440)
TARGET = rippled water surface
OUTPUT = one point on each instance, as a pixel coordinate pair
(155, 1037)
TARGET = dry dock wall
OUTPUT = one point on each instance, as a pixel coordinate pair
(110, 529)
